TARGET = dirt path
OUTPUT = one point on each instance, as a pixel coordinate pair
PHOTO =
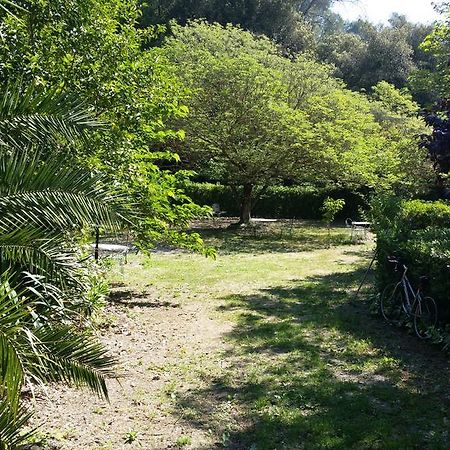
(154, 337)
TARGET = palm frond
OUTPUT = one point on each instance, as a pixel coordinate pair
(74, 358)
(55, 195)
(12, 314)
(11, 370)
(47, 353)
(31, 115)
(31, 249)
(43, 200)
(12, 422)
(50, 300)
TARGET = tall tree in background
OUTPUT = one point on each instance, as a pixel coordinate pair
(288, 22)
(365, 54)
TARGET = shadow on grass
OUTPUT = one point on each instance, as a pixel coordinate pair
(129, 298)
(274, 239)
(308, 370)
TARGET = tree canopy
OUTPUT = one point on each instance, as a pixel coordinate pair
(289, 22)
(365, 54)
(257, 117)
(433, 82)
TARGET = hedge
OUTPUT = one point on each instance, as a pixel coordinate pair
(287, 202)
(418, 232)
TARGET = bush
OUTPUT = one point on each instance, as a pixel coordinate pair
(287, 202)
(419, 214)
(330, 208)
(209, 193)
(419, 233)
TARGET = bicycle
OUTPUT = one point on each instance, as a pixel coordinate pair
(399, 301)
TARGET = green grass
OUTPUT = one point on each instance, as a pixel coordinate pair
(304, 367)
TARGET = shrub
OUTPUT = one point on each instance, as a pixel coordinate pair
(419, 232)
(419, 214)
(331, 207)
(289, 202)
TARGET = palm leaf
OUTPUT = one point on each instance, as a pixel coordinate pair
(12, 421)
(74, 358)
(36, 251)
(11, 369)
(46, 353)
(30, 115)
(54, 194)
(12, 315)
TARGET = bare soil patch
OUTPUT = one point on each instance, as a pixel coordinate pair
(154, 336)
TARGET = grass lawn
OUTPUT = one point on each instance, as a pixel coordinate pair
(272, 353)
(303, 367)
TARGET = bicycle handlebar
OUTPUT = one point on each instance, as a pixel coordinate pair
(424, 281)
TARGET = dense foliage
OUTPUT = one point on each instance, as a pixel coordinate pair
(418, 232)
(95, 50)
(365, 54)
(258, 118)
(438, 145)
(433, 82)
(289, 22)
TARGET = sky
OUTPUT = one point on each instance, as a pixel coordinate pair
(379, 11)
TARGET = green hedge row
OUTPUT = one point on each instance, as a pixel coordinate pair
(418, 232)
(287, 202)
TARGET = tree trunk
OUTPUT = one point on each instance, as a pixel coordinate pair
(246, 204)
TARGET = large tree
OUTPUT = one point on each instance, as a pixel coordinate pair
(242, 131)
(257, 118)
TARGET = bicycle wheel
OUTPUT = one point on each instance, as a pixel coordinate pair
(425, 317)
(391, 303)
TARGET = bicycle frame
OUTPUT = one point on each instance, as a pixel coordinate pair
(401, 298)
(408, 290)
